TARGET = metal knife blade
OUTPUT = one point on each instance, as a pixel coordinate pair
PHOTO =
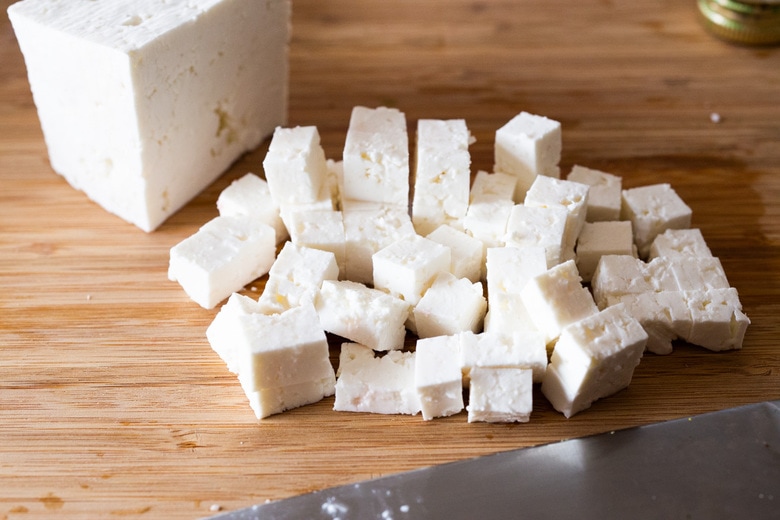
(723, 464)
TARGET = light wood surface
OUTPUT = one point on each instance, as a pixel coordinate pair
(112, 404)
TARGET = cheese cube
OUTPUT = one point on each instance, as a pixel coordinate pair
(491, 186)
(680, 242)
(593, 358)
(369, 383)
(652, 210)
(665, 316)
(250, 195)
(320, 229)
(295, 165)
(486, 220)
(362, 314)
(500, 395)
(221, 258)
(556, 298)
(466, 252)
(442, 173)
(604, 196)
(296, 276)
(602, 238)
(518, 349)
(437, 376)
(144, 103)
(526, 147)
(546, 192)
(270, 401)
(225, 324)
(368, 229)
(718, 322)
(510, 268)
(376, 156)
(449, 306)
(538, 227)
(507, 314)
(693, 273)
(406, 268)
(617, 275)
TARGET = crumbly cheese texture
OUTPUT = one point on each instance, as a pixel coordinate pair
(320, 229)
(652, 210)
(295, 166)
(250, 196)
(517, 349)
(376, 384)
(449, 306)
(545, 227)
(376, 156)
(593, 358)
(144, 103)
(680, 242)
(602, 238)
(222, 257)
(438, 377)
(500, 395)
(466, 252)
(442, 173)
(604, 196)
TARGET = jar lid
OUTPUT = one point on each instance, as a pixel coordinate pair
(750, 22)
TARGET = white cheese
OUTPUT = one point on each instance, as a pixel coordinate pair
(538, 227)
(225, 324)
(467, 253)
(679, 242)
(593, 358)
(508, 269)
(486, 220)
(665, 316)
(604, 196)
(376, 384)
(572, 196)
(144, 103)
(406, 268)
(652, 210)
(221, 258)
(602, 238)
(362, 314)
(718, 322)
(500, 395)
(449, 306)
(442, 174)
(438, 376)
(518, 349)
(556, 298)
(617, 275)
(693, 273)
(526, 147)
(491, 186)
(295, 166)
(270, 401)
(376, 156)
(320, 229)
(250, 195)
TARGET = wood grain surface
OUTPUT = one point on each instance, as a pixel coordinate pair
(112, 404)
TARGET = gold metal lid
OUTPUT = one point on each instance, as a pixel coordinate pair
(749, 22)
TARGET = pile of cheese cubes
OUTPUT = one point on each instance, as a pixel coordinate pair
(515, 279)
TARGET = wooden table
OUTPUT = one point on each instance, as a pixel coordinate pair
(112, 404)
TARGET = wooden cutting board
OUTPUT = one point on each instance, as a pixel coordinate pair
(112, 404)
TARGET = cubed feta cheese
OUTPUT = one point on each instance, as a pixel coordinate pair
(718, 322)
(144, 103)
(652, 210)
(295, 166)
(250, 196)
(604, 196)
(321, 229)
(518, 349)
(438, 376)
(593, 358)
(500, 395)
(221, 258)
(680, 242)
(466, 252)
(376, 156)
(376, 384)
(538, 227)
(442, 174)
(602, 238)
(486, 220)
(449, 306)
(492, 186)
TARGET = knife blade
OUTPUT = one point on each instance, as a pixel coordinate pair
(723, 464)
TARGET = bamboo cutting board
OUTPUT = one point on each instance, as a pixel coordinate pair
(112, 404)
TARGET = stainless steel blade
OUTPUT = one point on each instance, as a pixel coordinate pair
(722, 464)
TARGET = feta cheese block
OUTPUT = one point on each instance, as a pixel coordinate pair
(491, 186)
(369, 228)
(572, 196)
(543, 227)
(680, 242)
(442, 174)
(652, 210)
(617, 275)
(320, 229)
(556, 298)
(269, 401)
(528, 146)
(295, 166)
(518, 349)
(693, 273)
(449, 306)
(144, 103)
(718, 322)
(376, 384)
(222, 257)
(486, 220)
(438, 376)
(466, 252)
(604, 195)
(406, 268)
(593, 358)
(362, 314)
(500, 395)
(220, 332)
(250, 196)
(376, 156)
(665, 316)
(296, 276)
(602, 238)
